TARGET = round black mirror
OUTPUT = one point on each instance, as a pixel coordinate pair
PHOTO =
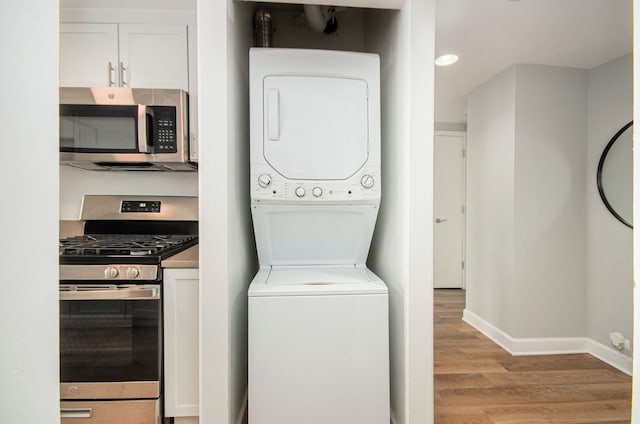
(615, 175)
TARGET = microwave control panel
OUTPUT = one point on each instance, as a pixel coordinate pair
(164, 129)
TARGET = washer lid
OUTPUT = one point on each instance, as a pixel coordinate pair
(316, 276)
(315, 128)
(317, 281)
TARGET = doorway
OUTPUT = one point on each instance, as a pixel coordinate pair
(449, 210)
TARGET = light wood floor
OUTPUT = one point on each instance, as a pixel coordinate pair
(477, 382)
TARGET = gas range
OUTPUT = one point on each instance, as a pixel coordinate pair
(129, 230)
(111, 305)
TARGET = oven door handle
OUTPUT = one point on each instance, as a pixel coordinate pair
(76, 412)
(126, 293)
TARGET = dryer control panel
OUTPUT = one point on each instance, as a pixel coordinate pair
(267, 185)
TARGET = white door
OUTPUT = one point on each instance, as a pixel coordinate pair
(316, 128)
(449, 189)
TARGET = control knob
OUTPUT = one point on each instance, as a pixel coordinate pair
(300, 192)
(110, 272)
(317, 191)
(132, 273)
(367, 181)
(264, 180)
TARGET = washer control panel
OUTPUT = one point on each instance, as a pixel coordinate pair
(267, 184)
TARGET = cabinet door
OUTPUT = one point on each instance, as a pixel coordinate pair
(181, 342)
(154, 56)
(88, 55)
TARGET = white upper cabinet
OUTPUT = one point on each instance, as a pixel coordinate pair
(154, 56)
(88, 55)
(124, 55)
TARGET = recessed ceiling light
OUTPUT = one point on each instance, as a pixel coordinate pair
(446, 59)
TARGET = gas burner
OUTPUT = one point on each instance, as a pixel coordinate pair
(127, 230)
(121, 244)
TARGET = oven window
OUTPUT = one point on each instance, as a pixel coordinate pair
(110, 340)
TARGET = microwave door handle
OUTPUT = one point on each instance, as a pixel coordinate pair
(143, 146)
(112, 294)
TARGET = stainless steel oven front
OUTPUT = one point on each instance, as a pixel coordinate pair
(110, 344)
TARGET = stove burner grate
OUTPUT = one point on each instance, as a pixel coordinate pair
(121, 244)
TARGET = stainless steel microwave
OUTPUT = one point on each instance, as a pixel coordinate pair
(106, 128)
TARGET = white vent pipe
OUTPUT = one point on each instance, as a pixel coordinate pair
(316, 19)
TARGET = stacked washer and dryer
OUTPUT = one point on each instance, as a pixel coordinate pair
(318, 318)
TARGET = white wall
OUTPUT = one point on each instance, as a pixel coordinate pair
(243, 261)
(214, 292)
(550, 216)
(490, 203)
(635, 401)
(526, 195)
(401, 252)
(609, 242)
(227, 253)
(29, 301)
(75, 182)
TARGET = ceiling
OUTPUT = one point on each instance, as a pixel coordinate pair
(491, 35)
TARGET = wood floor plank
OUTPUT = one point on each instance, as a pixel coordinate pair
(476, 381)
(561, 412)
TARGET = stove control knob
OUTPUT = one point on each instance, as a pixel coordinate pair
(367, 181)
(300, 192)
(317, 191)
(110, 272)
(132, 273)
(264, 180)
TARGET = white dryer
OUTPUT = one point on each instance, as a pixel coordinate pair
(318, 318)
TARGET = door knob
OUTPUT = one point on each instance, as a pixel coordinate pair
(439, 220)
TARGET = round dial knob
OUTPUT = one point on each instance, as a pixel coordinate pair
(132, 273)
(264, 180)
(367, 181)
(317, 191)
(110, 272)
(300, 192)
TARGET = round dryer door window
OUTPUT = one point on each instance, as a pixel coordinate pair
(315, 128)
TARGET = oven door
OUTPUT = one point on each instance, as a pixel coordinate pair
(110, 341)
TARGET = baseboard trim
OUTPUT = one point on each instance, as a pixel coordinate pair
(548, 345)
(611, 356)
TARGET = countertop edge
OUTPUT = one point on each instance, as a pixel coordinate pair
(188, 258)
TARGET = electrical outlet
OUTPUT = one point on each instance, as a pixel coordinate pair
(617, 340)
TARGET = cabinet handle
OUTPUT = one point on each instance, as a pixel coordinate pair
(110, 70)
(122, 81)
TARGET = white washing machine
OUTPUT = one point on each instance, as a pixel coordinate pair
(318, 318)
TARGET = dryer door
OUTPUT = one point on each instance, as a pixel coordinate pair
(315, 128)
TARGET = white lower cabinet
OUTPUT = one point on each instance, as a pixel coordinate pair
(181, 344)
